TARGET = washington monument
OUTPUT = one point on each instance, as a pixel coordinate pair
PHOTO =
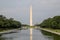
(31, 15)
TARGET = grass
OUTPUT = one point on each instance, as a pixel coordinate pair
(31, 26)
(55, 30)
(2, 30)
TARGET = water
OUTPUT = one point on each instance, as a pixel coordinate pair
(25, 35)
(37, 35)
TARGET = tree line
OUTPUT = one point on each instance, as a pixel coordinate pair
(51, 23)
(10, 23)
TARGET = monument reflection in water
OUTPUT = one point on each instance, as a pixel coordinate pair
(25, 35)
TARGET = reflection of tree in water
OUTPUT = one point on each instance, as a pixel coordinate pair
(46, 33)
(1, 38)
(55, 37)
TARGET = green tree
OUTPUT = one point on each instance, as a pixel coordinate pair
(8, 23)
(51, 23)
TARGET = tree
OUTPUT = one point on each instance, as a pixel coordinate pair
(51, 23)
(8, 23)
(54, 25)
(57, 19)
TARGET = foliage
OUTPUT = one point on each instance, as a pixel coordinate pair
(51, 23)
(8, 23)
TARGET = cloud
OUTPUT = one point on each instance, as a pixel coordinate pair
(45, 9)
(19, 9)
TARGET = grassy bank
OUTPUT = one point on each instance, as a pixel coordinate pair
(9, 31)
(3, 30)
(55, 31)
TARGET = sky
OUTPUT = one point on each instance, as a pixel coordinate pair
(19, 9)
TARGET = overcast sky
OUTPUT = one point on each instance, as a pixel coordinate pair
(19, 9)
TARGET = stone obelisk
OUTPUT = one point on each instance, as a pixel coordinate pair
(31, 22)
(31, 15)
